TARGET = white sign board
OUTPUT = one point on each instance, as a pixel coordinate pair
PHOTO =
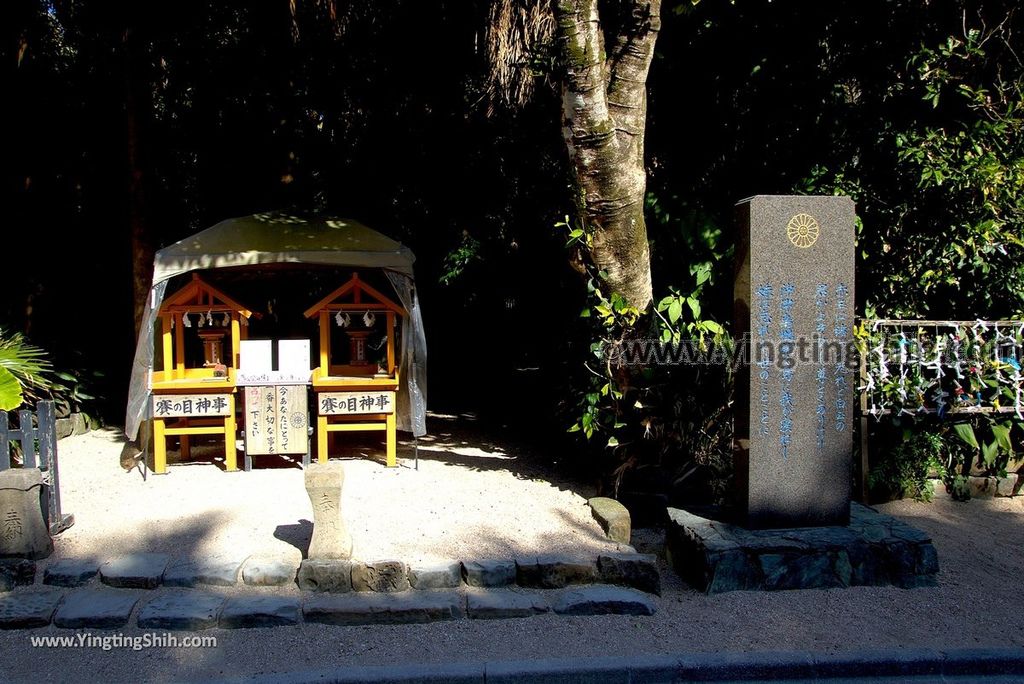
(191, 405)
(354, 403)
(256, 356)
(293, 356)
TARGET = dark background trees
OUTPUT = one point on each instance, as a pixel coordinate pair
(133, 126)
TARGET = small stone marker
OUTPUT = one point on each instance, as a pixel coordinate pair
(23, 532)
(794, 296)
(613, 518)
(330, 536)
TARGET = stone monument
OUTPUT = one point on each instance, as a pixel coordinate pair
(793, 306)
(331, 539)
(23, 530)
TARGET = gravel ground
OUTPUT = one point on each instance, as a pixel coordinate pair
(975, 605)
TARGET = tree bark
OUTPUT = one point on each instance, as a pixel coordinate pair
(137, 109)
(604, 107)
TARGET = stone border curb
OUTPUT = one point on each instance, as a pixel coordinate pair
(694, 667)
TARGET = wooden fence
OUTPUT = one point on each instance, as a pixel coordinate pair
(39, 450)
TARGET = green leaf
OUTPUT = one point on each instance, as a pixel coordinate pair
(965, 431)
(714, 327)
(612, 442)
(989, 452)
(1002, 435)
(10, 391)
(694, 307)
(574, 428)
(675, 310)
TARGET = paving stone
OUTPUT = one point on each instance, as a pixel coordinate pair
(99, 608)
(71, 572)
(29, 608)
(259, 611)
(135, 571)
(16, 572)
(613, 518)
(181, 609)
(325, 574)
(439, 576)
(637, 570)
(603, 600)
(218, 571)
(489, 573)
(381, 576)
(555, 572)
(484, 604)
(268, 572)
(377, 609)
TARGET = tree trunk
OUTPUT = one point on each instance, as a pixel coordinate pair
(138, 107)
(604, 103)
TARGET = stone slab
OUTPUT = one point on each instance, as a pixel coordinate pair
(29, 608)
(71, 572)
(794, 282)
(325, 574)
(259, 611)
(99, 608)
(603, 600)
(490, 604)
(383, 576)
(380, 609)
(875, 549)
(135, 571)
(555, 572)
(489, 573)
(181, 609)
(1006, 486)
(268, 572)
(16, 572)
(637, 570)
(437, 576)
(218, 571)
(982, 487)
(613, 518)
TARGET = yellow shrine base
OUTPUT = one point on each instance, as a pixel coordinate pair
(185, 427)
(328, 386)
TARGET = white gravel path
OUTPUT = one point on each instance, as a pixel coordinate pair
(977, 602)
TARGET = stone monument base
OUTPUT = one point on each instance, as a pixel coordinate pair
(716, 556)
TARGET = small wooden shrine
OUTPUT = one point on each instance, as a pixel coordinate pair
(356, 391)
(194, 394)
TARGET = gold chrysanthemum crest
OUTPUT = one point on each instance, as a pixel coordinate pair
(803, 230)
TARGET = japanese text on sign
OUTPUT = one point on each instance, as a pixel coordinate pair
(344, 403)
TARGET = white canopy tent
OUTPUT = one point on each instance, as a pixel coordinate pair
(279, 237)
